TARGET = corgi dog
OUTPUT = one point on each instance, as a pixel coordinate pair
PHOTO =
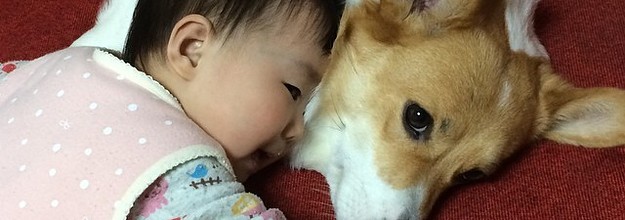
(422, 95)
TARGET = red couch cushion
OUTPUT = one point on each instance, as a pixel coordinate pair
(586, 40)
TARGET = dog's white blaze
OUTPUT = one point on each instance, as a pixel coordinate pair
(356, 188)
(520, 24)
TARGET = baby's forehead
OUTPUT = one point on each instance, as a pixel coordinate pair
(303, 21)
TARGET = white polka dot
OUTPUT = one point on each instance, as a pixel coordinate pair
(60, 93)
(93, 106)
(89, 60)
(88, 151)
(68, 57)
(84, 184)
(58, 72)
(119, 172)
(86, 75)
(65, 124)
(22, 168)
(56, 148)
(35, 91)
(143, 141)
(13, 100)
(24, 141)
(54, 203)
(133, 107)
(11, 120)
(120, 77)
(22, 204)
(168, 122)
(117, 204)
(38, 113)
(44, 73)
(85, 218)
(107, 131)
(52, 172)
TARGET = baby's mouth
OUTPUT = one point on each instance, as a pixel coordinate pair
(256, 161)
(266, 155)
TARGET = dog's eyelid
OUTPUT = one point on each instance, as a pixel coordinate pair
(470, 175)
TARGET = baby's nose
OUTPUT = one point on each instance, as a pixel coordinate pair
(294, 130)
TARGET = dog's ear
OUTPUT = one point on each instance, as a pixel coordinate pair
(590, 117)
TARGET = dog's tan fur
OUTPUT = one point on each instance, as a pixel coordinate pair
(455, 61)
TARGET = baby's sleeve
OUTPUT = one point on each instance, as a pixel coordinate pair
(200, 189)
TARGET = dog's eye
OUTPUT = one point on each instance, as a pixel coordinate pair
(417, 121)
(469, 176)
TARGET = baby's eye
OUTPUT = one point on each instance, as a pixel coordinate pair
(295, 92)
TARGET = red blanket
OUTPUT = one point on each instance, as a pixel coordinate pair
(586, 41)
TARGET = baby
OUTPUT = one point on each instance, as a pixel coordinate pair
(207, 93)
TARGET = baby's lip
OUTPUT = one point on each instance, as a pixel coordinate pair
(275, 152)
(260, 157)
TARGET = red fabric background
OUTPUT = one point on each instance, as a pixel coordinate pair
(586, 40)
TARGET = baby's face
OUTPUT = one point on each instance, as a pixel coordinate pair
(253, 93)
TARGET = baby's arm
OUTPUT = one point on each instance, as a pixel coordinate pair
(200, 189)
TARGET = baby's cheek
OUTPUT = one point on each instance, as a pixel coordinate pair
(271, 123)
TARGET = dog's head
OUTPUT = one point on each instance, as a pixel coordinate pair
(425, 94)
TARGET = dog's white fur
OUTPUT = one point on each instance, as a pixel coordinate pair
(111, 27)
(520, 23)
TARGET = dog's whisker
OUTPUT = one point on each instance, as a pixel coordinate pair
(342, 125)
(324, 192)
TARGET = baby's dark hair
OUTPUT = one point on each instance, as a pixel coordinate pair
(155, 19)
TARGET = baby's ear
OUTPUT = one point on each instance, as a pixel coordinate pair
(187, 43)
(590, 117)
